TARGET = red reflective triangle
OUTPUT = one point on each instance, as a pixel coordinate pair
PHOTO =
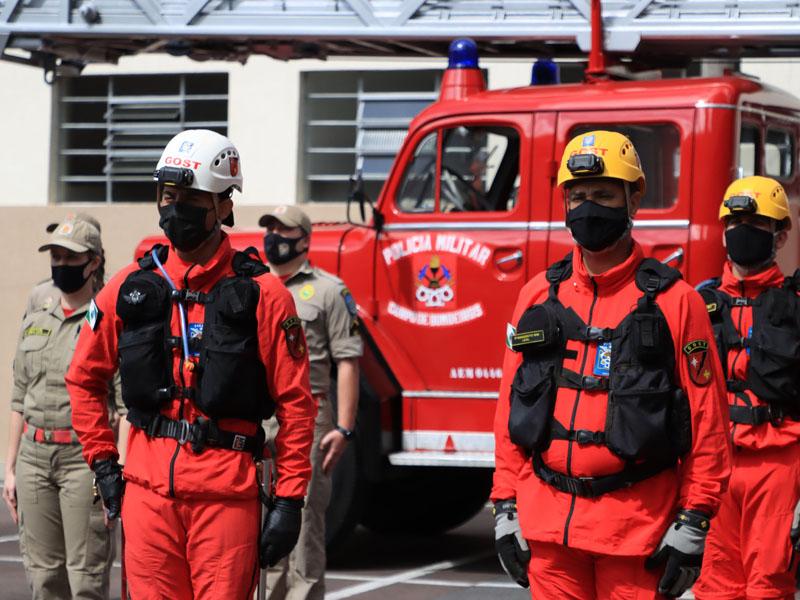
(449, 446)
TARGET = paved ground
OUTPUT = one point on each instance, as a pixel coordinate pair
(459, 565)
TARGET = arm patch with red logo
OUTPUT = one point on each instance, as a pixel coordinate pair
(295, 339)
(697, 361)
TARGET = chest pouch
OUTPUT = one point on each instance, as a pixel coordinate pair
(647, 416)
(233, 380)
(533, 390)
(145, 358)
(773, 373)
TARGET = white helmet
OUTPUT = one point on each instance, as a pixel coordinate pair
(200, 159)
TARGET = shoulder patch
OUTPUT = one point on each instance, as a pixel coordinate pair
(696, 353)
(93, 315)
(295, 339)
(349, 302)
(511, 331)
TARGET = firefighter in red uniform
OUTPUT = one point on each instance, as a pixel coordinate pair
(207, 345)
(755, 312)
(611, 449)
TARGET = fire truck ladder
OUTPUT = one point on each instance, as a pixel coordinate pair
(64, 35)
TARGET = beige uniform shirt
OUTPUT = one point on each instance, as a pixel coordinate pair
(44, 352)
(328, 312)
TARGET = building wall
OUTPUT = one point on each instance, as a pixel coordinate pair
(264, 111)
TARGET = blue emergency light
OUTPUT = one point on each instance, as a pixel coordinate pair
(545, 72)
(462, 54)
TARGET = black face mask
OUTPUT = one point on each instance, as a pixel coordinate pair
(750, 246)
(69, 278)
(280, 250)
(596, 227)
(184, 225)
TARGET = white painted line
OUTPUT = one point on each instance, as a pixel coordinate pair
(9, 538)
(434, 582)
(404, 577)
(10, 559)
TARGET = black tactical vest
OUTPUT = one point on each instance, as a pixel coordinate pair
(231, 379)
(773, 372)
(648, 421)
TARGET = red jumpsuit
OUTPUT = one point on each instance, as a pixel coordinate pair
(596, 547)
(748, 551)
(192, 520)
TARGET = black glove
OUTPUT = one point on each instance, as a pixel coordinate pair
(109, 485)
(681, 549)
(512, 548)
(281, 530)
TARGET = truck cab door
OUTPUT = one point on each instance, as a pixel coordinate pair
(664, 144)
(453, 255)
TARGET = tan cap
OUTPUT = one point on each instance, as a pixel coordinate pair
(78, 215)
(288, 214)
(76, 234)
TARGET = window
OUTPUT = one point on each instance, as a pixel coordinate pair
(357, 120)
(748, 150)
(480, 169)
(416, 193)
(779, 153)
(112, 129)
(659, 149)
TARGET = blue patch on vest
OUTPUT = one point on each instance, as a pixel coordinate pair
(749, 336)
(602, 361)
(195, 333)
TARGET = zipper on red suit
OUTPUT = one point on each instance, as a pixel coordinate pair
(575, 412)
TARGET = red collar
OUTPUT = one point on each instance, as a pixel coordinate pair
(612, 280)
(752, 285)
(200, 277)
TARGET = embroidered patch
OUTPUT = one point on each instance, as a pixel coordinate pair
(511, 331)
(527, 338)
(697, 360)
(306, 292)
(602, 360)
(295, 339)
(93, 315)
(33, 330)
(134, 297)
(349, 302)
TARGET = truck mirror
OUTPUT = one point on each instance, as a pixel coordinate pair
(358, 194)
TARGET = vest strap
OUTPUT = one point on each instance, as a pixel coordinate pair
(201, 434)
(758, 415)
(592, 487)
(575, 381)
(581, 436)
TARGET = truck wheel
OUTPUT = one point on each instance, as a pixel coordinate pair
(427, 500)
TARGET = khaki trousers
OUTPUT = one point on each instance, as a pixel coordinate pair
(301, 576)
(66, 549)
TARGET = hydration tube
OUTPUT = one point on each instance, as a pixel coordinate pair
(184, 337)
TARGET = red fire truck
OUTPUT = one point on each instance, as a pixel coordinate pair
(469, 213)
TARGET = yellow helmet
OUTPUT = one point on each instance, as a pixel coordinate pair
(757, 195)
(601, 154)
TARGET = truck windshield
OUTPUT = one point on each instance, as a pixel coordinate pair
(659, 148)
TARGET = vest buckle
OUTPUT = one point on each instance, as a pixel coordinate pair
(776, 415)
(185, 431)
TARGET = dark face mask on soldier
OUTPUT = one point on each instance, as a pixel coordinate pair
(279, 249)
(750, 246)
(596, 227)
(184, 225)
(69, 278)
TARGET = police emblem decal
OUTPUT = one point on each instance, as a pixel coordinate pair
(697, 361)
(233, 162)
(186, 147)
(435, 284)
(588, 140)
(306, 292)
(295, 339)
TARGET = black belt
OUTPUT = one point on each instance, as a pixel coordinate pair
(592, 487)
(758, 415)
(201, 434)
